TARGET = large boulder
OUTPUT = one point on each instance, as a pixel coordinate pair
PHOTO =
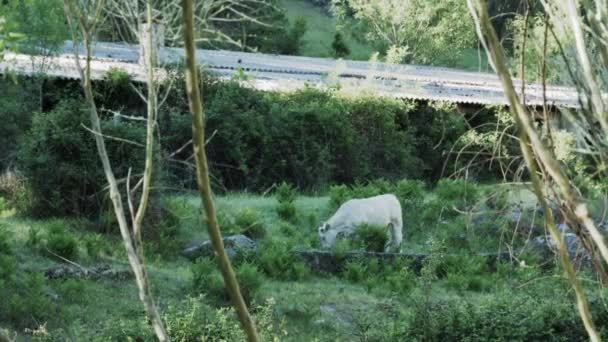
(234, 245)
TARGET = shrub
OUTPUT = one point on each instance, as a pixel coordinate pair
(286, 196)
(34, 238)
(24, 303)
(193, 321)
(291, 42)
(95, 245)
(208, 279)
(71, 290)
(277, 259)
(339, 47)
(227, 223)
(16, 107)
(250, 224)
(60, 241)
(285, 193)
(74, 185)
(15, 191)
(504, 316)
(459, 193)
(395, 276)
(355, 271)
(371, 238)
(288, 229)
(339, 139)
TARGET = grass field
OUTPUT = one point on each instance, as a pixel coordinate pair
(363, 303)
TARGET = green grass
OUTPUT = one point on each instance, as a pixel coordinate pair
(321, 30)
(321, 307)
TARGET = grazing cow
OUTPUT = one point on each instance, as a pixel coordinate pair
(383, 210)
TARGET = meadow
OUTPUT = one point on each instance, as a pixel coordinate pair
(457, 294)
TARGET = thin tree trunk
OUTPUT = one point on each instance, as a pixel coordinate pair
(528, 135)
(202, 174)
(87, 28)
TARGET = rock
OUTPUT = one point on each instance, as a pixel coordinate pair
(96, 272)
(234, 245)
(547, 247)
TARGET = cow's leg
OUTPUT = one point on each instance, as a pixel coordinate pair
(389, 243)
(396, 235)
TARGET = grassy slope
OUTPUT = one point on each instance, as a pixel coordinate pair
(321, 29)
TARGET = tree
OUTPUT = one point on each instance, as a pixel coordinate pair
(244, 24)
(570, 188)
(83, 19)
(202, 172)
(432, 31)
(339, 46)
(41, 21)
(44, 29)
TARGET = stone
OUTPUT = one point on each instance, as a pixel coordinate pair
(547, 247)
(234, 245)
(96, 272)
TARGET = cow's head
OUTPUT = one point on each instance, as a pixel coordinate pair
(326, 235)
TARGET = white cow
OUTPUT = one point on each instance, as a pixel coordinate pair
(383, 210)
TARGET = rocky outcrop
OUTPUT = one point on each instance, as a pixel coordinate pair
(234, 245)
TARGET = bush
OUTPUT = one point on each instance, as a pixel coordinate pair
(250, 224)
(459, 193)
(339, 140)
(504, 316)
(207, 278)
(371, 238)
(60, 241)
(193, 321)
(95, 245)
(286, 209)
(71, 290)
(24, 303)
(277, 259)
(16, 107)
(291, 43)
(395, 277)
(74, 184)
(339, 47)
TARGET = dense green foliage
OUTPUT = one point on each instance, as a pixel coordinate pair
(41, 22)
(208, 279)
(339, 140)
(16, 110)
(59, 158)
(423, 31)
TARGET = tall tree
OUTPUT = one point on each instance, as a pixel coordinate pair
(202, 168)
